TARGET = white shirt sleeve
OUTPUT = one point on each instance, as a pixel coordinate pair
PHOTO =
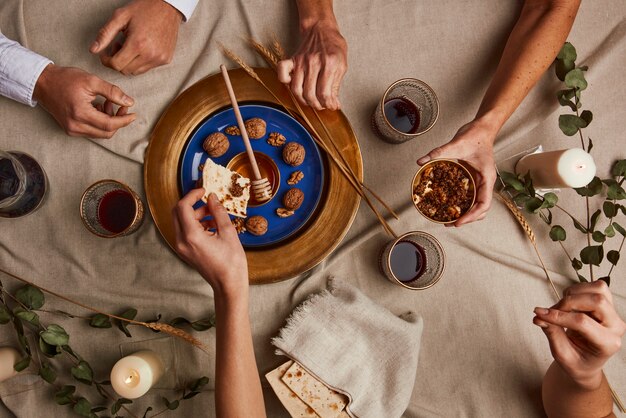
(186, 7)
(20, 69)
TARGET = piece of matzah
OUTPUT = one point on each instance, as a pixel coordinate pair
(231, 188)
(293, 404)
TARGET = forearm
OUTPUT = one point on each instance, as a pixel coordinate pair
(565, 398)
(238, 386)
(312, 12)
(536, 39)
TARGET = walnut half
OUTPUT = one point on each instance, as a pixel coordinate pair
(284, 213)
(295, 178)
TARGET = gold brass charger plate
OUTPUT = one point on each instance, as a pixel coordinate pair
(335, 212)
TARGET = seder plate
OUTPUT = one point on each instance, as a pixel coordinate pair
(338, 202)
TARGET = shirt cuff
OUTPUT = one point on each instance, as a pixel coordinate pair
(186, 7)
(20, 73)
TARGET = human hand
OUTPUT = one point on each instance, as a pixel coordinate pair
(315, 71)
(150, 28)
(473, 145)
(218, 256)
(68, 93)
(583, 330)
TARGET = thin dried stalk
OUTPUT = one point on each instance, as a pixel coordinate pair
(250, 71)
(152, 325)
(531, 237)
(278, 48)
(267, 55)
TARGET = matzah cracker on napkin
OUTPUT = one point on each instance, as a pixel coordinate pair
(326, 402)
(231, 189)
(293, 404)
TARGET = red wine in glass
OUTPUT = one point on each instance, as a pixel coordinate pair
(116, 211)
(403, 115)
(407, 261)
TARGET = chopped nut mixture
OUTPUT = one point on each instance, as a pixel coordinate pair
(235, 189)
(443, 192)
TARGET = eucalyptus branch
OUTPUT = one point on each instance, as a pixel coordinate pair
(589, 237)
(619, 251)
(571, 216)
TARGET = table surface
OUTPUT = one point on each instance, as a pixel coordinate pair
(480, 354)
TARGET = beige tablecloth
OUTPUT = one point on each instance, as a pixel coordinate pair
(480, 354)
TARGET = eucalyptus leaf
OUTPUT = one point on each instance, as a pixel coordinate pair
(598, 236)
(521, 199)
(190, 395)
(22, 364)
(47, 349)
(27, 316)
(511, 180)
(546, 218)
(579, 226)
(122, 325)
(533, 204)
(557, 233)
(47, 373)
(576, 79)
(593, 188)
(64, 395)
(551, 199)
(55, 335)
(592, 254)
(118, 404)
(98, 409)
(564, 97)
(613, 257)
(609, 231)
(619, 228)
(590, 144)
(577, 264)
(83, 373)
(203, 324)
(609, 208)
(82, 407)
(170, 405)
(528, 185)
(594, 219)
(570, 124)
(198, 384)
(587, 116)
(5, 315)
(30, 296)
(615, 192)
(582, 279)
(606, 279)
(100, 321)
(619, 168)
(147, 410)
(567, 52)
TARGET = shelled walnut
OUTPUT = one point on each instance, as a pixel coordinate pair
(239, 224)
(295, 178)
(232, 130)
(284, 213)
(276, 140)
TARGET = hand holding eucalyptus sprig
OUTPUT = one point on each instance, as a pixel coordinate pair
(23, 308)
(597, 230)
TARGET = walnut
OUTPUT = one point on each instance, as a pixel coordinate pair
(276, 139)
(284, 213)
(239, 224)
(293, 198)
(295, 178)
(256, 225)
(293, 154)
(232, 130)
(255, 128)
(216, 144)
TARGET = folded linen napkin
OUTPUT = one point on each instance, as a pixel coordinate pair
(356, 347)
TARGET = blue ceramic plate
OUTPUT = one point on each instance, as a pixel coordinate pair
(277, 121)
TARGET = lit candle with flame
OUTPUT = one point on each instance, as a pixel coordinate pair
(556, 169)
(132, 376)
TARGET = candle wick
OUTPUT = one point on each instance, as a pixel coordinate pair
(580, 166)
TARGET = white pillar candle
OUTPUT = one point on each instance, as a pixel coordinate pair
(555, 169)
(8, 357)
(132, 376)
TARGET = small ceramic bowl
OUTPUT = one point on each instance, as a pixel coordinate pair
(268, 168)
(418, 176)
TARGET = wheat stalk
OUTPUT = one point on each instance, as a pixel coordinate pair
(267, 55)
(278, 48)
(168, 329)
(531, 237)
